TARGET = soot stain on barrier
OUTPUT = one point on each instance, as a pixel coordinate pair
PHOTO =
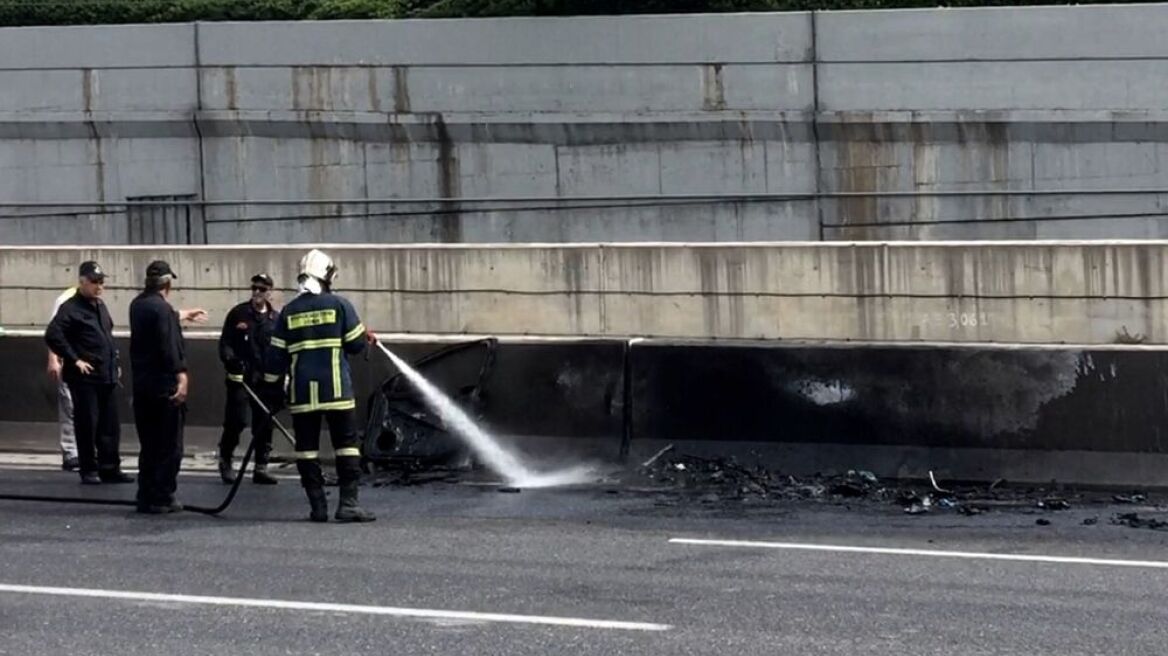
(297, 103)
(574, 269)
(230, 87)
(713, 88)
(401, 89)
(372, 90)
(90, 86)
(928, 397)
(722, 273)
(447, 225)
(862, 151)
(1120, 404)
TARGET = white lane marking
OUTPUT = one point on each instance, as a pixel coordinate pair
(191, 465)
(192, 473)
(969, 555)
(414, 613)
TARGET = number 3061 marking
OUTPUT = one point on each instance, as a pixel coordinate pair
(967, 319)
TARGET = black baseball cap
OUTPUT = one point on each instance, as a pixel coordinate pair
(91, 271)
(262, 279)
(159, 269)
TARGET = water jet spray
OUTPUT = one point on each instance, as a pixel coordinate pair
(488, 450)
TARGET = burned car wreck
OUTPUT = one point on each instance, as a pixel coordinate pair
(402, 433)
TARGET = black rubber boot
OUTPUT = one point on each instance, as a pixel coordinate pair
(313, 481)
(349, 481)
(348, 510)
(261, 476)
(318, 503)
(226, 470)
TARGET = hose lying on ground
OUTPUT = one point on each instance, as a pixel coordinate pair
(196, 509)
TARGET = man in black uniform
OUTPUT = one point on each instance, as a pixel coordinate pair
(81, 334)
(247, 331)
(158, 357)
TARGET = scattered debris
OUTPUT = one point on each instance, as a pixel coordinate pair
(710, 480)
(723, 476)
(855, 484)
(916, 505)
(920, 507)
(1054, 503)
(933, 480)
(848, 489)
(813, 491)
(405, 477)
(676, 479)
(907, 498)
(1135, 521)
(866, 476)
(649, 463)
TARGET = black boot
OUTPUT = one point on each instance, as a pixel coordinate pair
(349, 480)
(226, 470)
(313, 481)
(348, 510)
(261, 476)
(318, 503)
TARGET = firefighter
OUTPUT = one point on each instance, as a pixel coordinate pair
(247, 331)
(314, 334)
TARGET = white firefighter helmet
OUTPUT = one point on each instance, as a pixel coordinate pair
(318, 265)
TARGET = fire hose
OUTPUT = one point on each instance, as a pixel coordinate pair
(196, 509)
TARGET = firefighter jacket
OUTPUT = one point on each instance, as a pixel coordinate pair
(244, 341)
(313, 335)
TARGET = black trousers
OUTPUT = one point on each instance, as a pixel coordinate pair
(341, 424)
(160, 433)
(95, 423)
(240, 411)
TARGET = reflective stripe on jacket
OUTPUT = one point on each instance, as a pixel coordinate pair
(313, 336)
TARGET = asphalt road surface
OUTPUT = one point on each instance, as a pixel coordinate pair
(464, 569)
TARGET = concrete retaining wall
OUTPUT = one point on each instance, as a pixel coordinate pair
(1077, 416)
(1017, 292)
(1001, 99)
